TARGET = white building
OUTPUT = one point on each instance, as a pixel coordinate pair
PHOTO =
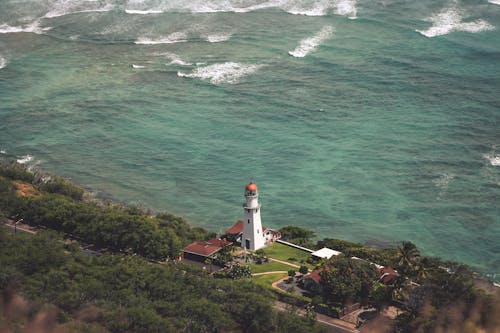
(253, 235)
(249, 232)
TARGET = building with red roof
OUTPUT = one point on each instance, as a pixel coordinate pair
(388, 275)
(202, 250)
(235, 232)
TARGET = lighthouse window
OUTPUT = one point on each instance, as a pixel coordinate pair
(248, 221)
(257, 230)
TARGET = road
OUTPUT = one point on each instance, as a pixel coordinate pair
(332, 325)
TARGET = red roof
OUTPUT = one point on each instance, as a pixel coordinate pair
(252, 187)
(206, 248)
(388, 275)
(237, 228)
(314, 275)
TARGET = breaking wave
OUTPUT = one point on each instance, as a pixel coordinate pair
(228, 72)
(143, 12)
(451, 19)
(3, 62)
(218, 38)
(310, 44)
(25, 159)
(33, 27)
(176, 37)
(138, 66)
(346, 8)
(493, 158)
(67, 7)
(297, 7)
(496, 2)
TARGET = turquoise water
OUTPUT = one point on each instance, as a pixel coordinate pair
(370, 130)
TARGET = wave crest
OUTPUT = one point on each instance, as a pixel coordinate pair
(296, 7)
(218, 38)
(3, 62)
(25, 159)
(449, 20)
(493, 158)
(310, 44)
(228, 72)
(33, 27)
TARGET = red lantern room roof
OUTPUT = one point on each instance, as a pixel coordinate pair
(252, 187)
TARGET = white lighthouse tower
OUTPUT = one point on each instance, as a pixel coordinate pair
(253, 236)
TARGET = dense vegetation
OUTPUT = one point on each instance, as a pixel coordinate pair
(436, 295)
(118, 291)
(128, 294)
(59, 205)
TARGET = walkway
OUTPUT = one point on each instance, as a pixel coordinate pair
(267, 273)
(284, 262)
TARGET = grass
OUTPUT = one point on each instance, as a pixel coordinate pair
(287, 253)
(268, 280)
(269, 267)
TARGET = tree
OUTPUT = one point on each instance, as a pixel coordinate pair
(297, 235)
(347, 280)
(291, 273)
(303, 270)
(408, 257)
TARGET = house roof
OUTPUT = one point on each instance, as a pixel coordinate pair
(314, 275)
(325, 253)
(388, 275)
(206, 248)
(237, 228)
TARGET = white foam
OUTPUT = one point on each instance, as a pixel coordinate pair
(296, 7)
(346, 8)
(178, 61)
(68, 7)
(3, 63)
(3, 152)
(25, 159)
(138, 66)
(495, 2)
(310, 44)
(33, 27)
(218, 38)
(142, 12)
(493, 158)
(443, 180)
(176, 37)
(228, 72)
(449, 20)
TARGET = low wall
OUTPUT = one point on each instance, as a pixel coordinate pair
(294, 245)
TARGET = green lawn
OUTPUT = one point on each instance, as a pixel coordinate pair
(267, 280)
(269, 267)
(284, 252)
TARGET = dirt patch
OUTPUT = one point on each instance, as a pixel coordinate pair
(25, 189)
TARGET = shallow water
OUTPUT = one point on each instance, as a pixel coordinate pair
(373, 121)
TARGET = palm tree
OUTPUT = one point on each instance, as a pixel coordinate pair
(409, 257)
(422, 272)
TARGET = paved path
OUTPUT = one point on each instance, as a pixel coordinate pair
(266, 273)
(13, 229)
(285, 262)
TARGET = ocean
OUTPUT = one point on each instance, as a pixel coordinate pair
(371, 121)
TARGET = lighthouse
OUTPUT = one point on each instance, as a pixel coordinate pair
(253, 236)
